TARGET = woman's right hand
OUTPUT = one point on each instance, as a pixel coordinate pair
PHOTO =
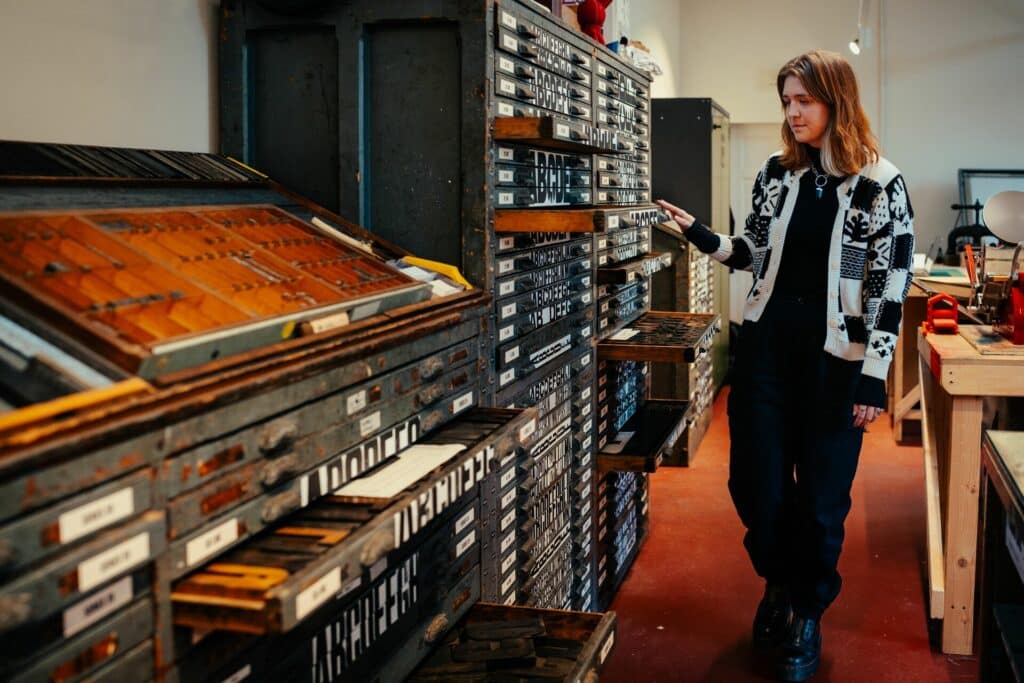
(679, 216)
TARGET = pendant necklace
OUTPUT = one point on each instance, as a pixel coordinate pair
(820, 180)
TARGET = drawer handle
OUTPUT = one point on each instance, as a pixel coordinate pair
(431, 367)
(15, 610)
(437, 628)
(277, 435)
(279, 468)
(280, 505)
(429, 395)
(377, 547)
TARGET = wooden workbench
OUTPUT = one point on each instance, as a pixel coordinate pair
(955, 377)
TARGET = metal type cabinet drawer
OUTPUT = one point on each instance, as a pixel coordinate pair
(276, 439)
(351, 537)
(82, 655)
(527, 68)
(661, 336)
(542, 34)
(525, 197)
(630, 271)
(39, 535)
(558, 131)
(542, 256)
(131, 667)
(620, 165)
(552, 177)
(646, 437)
(516, 157)
(529, 240)
(33, 596)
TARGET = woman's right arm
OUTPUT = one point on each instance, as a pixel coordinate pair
(734, 252)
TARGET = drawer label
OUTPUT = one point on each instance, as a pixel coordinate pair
(505, 198)
(507, 310)
(369, 424)
(511, 354)
(506, 65)
(116, 560)
(585, 394)
(506, 176)
(508, 477)
(239, 675)
(89, 517)
(506, 154)
(506, 333)
(510, 43)
(511, 599)
(507, 376)
(506, 288)
(507, 542)
(508, 584)
(507, 499)
(508, 562)
(508, 519)
(506, 109)
(506, 265)
(527, 430)
(320, 592)
(561, 130)
(506, 86)
(356, 402)
(465, 544)
(508, 20)
(92, 609)
(465, 520)
(462, 402)
(201, 547)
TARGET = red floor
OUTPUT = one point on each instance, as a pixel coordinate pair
(684, 610)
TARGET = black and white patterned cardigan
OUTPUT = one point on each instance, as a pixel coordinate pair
(870, 256)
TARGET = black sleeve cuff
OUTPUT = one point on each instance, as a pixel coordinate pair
(700, 236)
(870, 392)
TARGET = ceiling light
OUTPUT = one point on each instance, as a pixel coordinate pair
(855, 45)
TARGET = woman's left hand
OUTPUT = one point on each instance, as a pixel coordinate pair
(864, 415)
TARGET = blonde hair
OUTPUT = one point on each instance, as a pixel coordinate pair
(848, 143)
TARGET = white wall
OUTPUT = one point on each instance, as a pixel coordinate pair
(131, 73)
(942, 81)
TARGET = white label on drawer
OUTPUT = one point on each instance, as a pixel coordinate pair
(114, 561)
(506, 86)
(602, 196)
(356, 402)
(604, 307)
(508, 519)
(508, 498)
(505, 198)
(322, 590)
(585, 509)
(505, 265)
(586, 410)
(602, 243)
(585, 332)
(506, 109)
(508, 583)
(95, 607)
(507, 19)
(506, 154)
(465, 520)
(624, 334)
(602, 117)
(507, 542)
(561, 130)
(511, 354)
(507, 376)
(602, 260)
(585, 394)
(586, 264)
(585, 197)
(508, 477)
(587, 441)
(465, 544)
(369, 424)
(89, 517)
(506, 288)
(585, 360)
(506, 176)
(507, 310)
(508, 562)
(506, 65)
(201, 547)
(239, 675)
(510, 43)
(462, 402)
(506, 333)
(527, 430)
(511, 599)
(586, 298)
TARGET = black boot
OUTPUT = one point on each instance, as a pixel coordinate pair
(772, 618)
(801, 650)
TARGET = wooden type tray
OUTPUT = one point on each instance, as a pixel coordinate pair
(661, 336)
(259, 599)
(654, 429)
(603, 219)
(581, 639)
(555, 132)
(159, 290)
(87, 651)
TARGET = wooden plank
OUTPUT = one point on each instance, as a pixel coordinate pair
(933, 518)
(548, 132)
(545, 220)
(961, 532)
(963, 371)
(904, 405)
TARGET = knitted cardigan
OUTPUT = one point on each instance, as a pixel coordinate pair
(870, 257)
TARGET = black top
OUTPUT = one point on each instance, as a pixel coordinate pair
(803, 270)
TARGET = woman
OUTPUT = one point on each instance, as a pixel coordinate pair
(830, 243)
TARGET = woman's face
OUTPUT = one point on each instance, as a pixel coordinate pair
(806, 116)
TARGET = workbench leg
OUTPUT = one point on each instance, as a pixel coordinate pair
(961, 530)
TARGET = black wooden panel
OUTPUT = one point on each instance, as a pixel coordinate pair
(413, 169)
(293, 105)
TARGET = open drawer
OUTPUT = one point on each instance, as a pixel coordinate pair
(645, 438)
(279, 578)
(644, 265)
(556, 132)
(608, 219)
(522, 643)
(661, 336)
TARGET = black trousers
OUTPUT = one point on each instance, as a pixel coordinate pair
(794, 449)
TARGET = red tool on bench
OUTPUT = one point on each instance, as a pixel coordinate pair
(942, 315)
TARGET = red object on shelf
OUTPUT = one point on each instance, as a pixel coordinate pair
(1011, 325)
(591, 15)
(941, 316)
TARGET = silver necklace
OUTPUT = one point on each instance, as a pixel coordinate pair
(820, 180)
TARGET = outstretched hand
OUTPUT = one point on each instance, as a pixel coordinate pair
(680, 217)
